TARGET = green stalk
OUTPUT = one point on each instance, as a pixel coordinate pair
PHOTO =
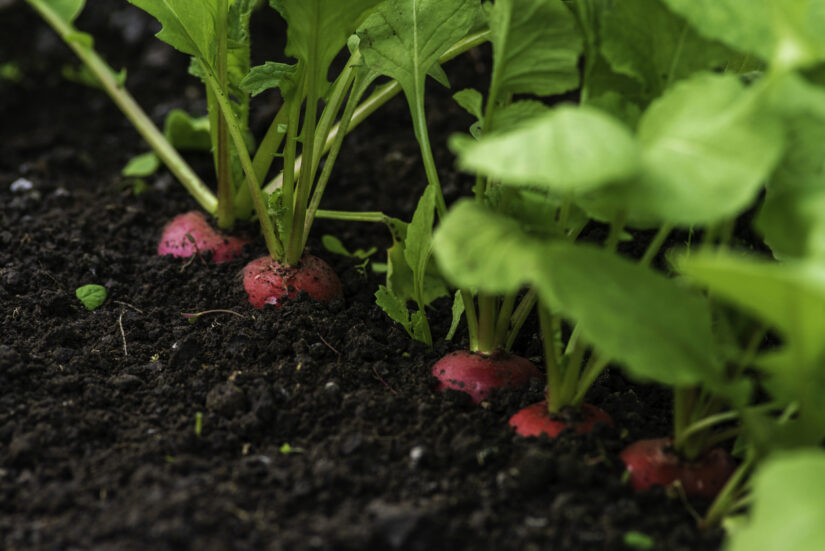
(273, 243)
(504, 314)
(487, 309)
(383, 94)
(294, 246)
(270, 143)
(592, 370)
(554, 373)
(420, 125)
(126, 103)
(729, 495)
(471, 317)
(520, 316)
(223, 167)
(653, 249)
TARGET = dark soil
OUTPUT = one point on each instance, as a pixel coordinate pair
(320, 428)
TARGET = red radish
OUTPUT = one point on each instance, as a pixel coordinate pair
(189, 234)
(653, 462)
(477, 374)
(267, 281)
(536, 420)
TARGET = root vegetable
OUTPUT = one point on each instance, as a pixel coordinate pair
(536, 420)
(267, 281)
(190, 233)
(477, 374)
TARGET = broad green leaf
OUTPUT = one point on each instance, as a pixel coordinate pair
(616, 94)
(787, 33)
(479, 249)
(403, 39)
(707, 151)
(269, 75)
(318, 29)
(536, 47)
(92, 295)
(646, 41)
(655, 327)
(791, 218)
(788, 505)
(187, 26)
(570, 150)
(789, 296)
(658, 329)
(141, 166)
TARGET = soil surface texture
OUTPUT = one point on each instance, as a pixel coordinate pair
(305, 427)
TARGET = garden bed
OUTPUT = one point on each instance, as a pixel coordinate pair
(319, 426)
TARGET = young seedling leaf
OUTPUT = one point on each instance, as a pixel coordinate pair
(457, 311)
(570, 150)
(92, 295)
(646, 41)
(536, 47)
(788, 504)
(783, 32)
(269, 75)
(394, 307)
(187, 132)
(471, 101)
(706, 152)
(141, 166)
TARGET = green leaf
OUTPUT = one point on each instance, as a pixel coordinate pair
(394, 307)
(789, 296)
(517, 114)
(480, 249)
(788, 505)
(141, 166)
(536, 47)
(318, 29)
(707, 150)
(186, 26)
(403, 39)
(91, 295)
(471, 101)
(269, 75)
(68, 10)
(457, 312)
(186, 132)
(646, 41)
(786, 33)
(570, 150)
(658, 329)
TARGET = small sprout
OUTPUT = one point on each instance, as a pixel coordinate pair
(198, 424)
(92, 295)
(287, 449)
(638, 540)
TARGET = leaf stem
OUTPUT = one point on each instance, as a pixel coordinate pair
(223, 168)
(554, 374)
(142, 123)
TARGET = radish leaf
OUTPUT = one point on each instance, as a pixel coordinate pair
(92, 295)
(568, 150)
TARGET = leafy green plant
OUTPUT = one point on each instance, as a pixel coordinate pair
(92, 295)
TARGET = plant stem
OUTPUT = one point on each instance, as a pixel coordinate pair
(472, 318)
(654, 246)
(271, 142)
(595, 365)
(273, 243)
(550, 359)
(384, 93)
(486, 323)
(223, 167)
(504, 313)
(126, 103)
(729, 494)
(520, 316)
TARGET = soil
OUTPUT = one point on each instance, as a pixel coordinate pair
(318, 426)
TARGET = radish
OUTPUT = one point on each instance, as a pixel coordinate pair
(536, 420)
(267, 281)
(477, 374)
(653, 462)
(190, 233)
